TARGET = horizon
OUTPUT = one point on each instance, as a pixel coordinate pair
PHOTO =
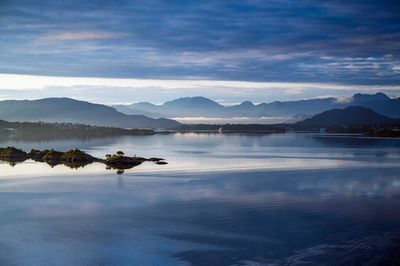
(112, 91)
(340, 99)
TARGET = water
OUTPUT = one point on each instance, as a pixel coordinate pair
(280, 199)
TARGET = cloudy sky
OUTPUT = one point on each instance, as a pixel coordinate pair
(230, 51)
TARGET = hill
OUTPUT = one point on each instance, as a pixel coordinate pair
(66, 110)
(353, 115)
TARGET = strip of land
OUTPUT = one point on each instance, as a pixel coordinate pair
(38, 130)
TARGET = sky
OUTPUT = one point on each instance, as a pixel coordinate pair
(127, 51)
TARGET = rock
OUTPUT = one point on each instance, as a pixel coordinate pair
(52, 156)
(154, 159)
(76, 156)
(12, 154)
(122, 162)
(37, 155)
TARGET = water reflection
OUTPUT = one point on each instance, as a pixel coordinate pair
(214, 152)
(340, 211)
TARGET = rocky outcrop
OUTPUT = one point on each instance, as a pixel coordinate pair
(12, 154)
(74, 158)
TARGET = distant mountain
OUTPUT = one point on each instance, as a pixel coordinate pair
(182, 107)
(74, 111)
(201, 106)
(353, 115)
(302, 107)
(389, 107)
(192, 102)
(130, 111)
(359, 97)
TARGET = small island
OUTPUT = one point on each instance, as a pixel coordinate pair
(75, 158)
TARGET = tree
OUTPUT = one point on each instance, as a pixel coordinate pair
(120, 153)
(108, 156)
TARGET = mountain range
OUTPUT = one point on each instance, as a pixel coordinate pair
(204, 107)
(365, 109)
(68, 110)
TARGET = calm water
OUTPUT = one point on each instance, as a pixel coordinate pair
(221, 200)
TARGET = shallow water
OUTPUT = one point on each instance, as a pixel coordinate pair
(280, 199)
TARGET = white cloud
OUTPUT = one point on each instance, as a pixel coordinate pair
(29, 82)
(344, 99)
(81, 35)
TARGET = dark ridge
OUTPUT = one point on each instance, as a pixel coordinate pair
(353, 115)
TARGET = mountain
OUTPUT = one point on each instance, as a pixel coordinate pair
(192, 106)
(192, 102)
(353, 115)
(390, 107)
(302, 107)
(203, 107)
(182, 107)
(131, 111)
(73, 111)
(359, 97)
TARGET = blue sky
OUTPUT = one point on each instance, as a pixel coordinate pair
(340, 43)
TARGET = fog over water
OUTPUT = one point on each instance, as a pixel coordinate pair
(234, 120)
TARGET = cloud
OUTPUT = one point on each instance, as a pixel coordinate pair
(285, 41)
(82, 35)
(344, 99)
(26, 82)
